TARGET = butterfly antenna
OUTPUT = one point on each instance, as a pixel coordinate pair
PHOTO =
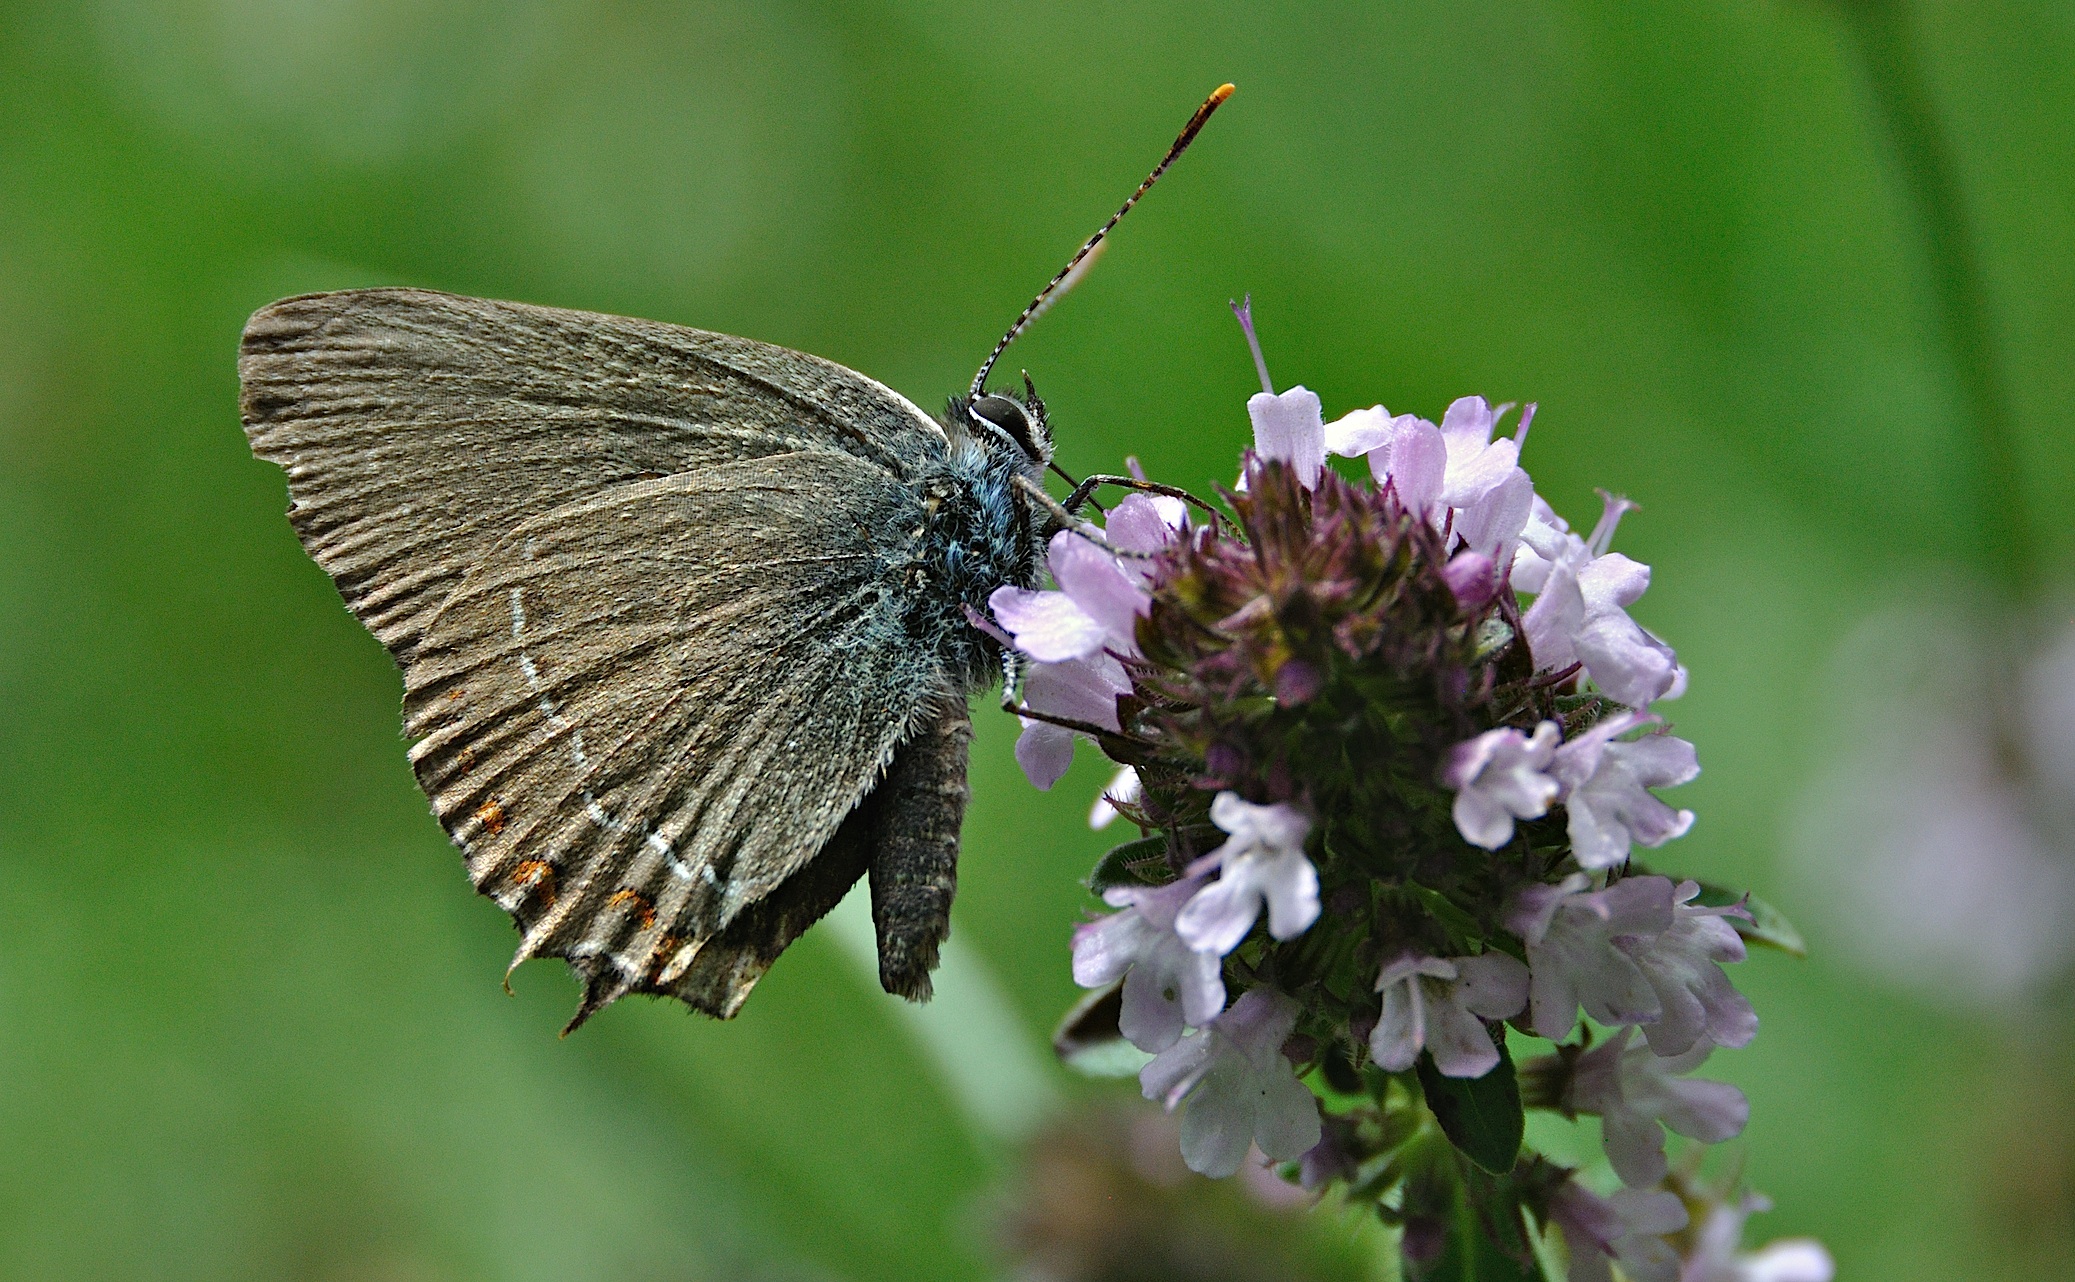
(1084, 257)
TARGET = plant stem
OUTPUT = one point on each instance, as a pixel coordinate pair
(1884, 36)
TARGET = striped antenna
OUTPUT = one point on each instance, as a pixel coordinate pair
(1076, 266)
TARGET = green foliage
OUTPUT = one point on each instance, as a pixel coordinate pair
(1135, 863)
(1766, 924)
(1481, 1116)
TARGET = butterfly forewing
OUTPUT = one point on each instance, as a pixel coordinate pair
(418, 427)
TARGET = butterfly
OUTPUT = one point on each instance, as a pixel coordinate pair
(686, 621)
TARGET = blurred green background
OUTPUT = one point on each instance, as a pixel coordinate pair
(250, 1022)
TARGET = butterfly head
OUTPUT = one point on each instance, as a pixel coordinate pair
(1001, 421)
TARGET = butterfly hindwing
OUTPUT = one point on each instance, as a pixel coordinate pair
(642, 713)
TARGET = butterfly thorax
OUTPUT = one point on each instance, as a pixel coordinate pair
(978, 533)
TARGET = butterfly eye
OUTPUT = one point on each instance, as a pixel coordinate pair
(1009, 417)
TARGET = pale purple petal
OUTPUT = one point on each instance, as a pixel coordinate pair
(1660, 761)
(1354, 434)
(1145, 522)
(1218, 1127)
(1045, 751)
(1468, 424)
(1493, 524)
(1635, 1147)
(1613, 582)
(1482, 821)
(1286, 1120)
(1458, 1041)
(1174, 1072)
(1276, 827)
(1415, 464)
(1078, 690)
(1552, 622)
(1220, 916)
(1289, 427)
(1047, 626)
(1108, 946)
(1473, 474)
(1092, 579)
(1292, 895)
(1704, 1110)
(1493, 985)
(1622, 659)
(1402, 1030)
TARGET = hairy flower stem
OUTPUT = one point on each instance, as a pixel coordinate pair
(1883, 35)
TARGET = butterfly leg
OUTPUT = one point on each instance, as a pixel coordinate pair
(917, 810)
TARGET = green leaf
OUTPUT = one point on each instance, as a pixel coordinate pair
(1444, 910)
(1135, 863)
(1768, 925)
(1481, 1116)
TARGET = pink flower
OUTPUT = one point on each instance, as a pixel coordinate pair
(1500, 776)
(1077, 689)
(1441, 1006)
(1581, 613)
(1628, 1227)
(1289, 427)
(1077, 632)
(1454, 472)
(1638, 1093)
(1570, 931)
(1261, 864)
(1683, 966)
(1607, 789)
(1238, 1087)
(1166, 983)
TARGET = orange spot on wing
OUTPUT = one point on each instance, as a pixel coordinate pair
(537, 875)
(666, 948)
(634, 901)
(491, 816)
